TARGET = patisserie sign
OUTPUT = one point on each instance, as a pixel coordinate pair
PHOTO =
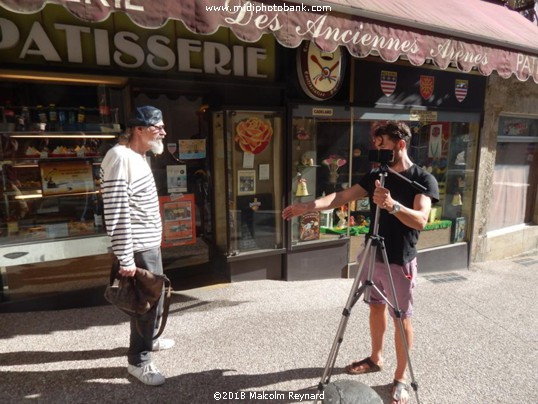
(62, 39)
(289, 23)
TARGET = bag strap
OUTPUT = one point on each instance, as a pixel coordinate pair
(166, 308)
(114, 271)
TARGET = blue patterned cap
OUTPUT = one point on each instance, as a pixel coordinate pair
(145, 116)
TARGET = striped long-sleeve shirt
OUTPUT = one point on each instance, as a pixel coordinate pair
(131, 203)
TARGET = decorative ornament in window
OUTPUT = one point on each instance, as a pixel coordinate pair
(333, 163)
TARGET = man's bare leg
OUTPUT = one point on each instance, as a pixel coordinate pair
(401, 356)
(378, 327)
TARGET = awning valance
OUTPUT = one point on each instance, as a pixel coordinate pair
(468, 34)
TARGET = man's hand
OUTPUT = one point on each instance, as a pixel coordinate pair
(382, 197)
(294, 210)
(128, 271)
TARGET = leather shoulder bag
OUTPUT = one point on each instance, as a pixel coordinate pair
(136, 295)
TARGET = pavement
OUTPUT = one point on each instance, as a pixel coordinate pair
(476, 339)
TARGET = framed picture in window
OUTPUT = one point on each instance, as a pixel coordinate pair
(246, 182)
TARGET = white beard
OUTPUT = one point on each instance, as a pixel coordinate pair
(157, 146)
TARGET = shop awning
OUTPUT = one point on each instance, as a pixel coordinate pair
(468, 34)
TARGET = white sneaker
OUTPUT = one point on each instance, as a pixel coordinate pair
(162, 344)
(147, 374)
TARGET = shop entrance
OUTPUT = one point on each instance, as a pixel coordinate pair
(183, 180)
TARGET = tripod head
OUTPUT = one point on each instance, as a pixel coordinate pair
(381, 156)
(384, 157)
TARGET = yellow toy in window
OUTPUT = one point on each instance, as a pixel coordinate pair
(342, 215)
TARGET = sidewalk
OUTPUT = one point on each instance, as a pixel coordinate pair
(476, 338)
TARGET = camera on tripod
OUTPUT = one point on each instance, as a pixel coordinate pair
(381, 156)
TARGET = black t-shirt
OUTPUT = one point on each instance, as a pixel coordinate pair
(400, 240)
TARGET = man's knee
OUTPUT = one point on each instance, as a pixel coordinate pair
(378, 309)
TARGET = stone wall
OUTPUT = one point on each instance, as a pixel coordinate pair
(503, 96)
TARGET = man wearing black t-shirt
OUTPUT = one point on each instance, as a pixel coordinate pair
(404, 211)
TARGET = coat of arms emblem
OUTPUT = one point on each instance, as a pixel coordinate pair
(426, 86)
(388, 82)
(461, 87)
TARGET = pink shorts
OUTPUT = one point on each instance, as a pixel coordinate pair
(403, 276)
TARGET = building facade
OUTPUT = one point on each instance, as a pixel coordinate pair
(263, 106)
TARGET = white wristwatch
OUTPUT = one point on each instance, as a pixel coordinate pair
(395, 208)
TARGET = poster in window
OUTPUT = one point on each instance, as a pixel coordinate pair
(66, 177)
(439, 137)
(435, 145)
(176, 178)
(192, 149)
(246, 182)
(178, 217)
(309, 226)
(459, 229)
(264, 172)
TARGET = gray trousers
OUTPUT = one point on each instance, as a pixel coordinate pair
(140, 346)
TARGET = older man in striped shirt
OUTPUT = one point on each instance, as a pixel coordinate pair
(133, 221)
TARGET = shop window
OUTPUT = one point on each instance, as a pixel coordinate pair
(448, 151)
(182, 177)
(248, 181)
(320, 143)
(515, 177)
(445, 149)
(52, 141)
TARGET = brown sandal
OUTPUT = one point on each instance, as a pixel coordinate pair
(364, 366)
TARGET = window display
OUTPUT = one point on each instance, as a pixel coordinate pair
(448, 151)
(330, 153)
(320, 160)
(49, 158)
(248, 180)
(51, 197)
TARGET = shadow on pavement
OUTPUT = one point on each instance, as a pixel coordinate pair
(115, 385)
(36, 323)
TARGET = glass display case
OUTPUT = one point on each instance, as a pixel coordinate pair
(50, 185)
(448, 151)
(320, 165)
(329, 152)
(247, 168)
(52, 141)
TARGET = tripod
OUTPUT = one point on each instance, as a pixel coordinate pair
(374, 241)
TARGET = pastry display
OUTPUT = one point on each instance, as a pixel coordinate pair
(85, 151)
(62, 151)
(80, 227)
(32, 152)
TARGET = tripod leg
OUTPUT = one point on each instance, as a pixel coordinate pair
(394, 305)
(371, 267)
(356, 292)
(354, 296)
